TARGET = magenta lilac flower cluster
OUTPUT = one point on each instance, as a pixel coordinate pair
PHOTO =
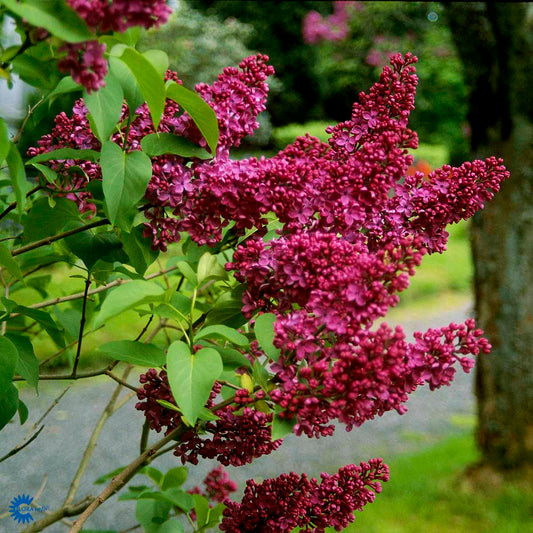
(218, 486)
(200, 198)
(85, 61)
(334, 27)
(156, 387)
(240, 435)
(293, 500)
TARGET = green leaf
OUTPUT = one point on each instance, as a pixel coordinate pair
(49, 174)
(63, 154)
(91, 248)
(171, 526)
(201, 506)
(191, 377)
(6, 260)
(151, 83)
(65, 85)
(219, 331)
(8, 361)
(5, 144)
(125, 76)
(174, 496)
(124, 180)
(168, 405)
(130, 36)
(210, 268)
(23, 412)
(264, 333)
(18, 177)
(128, 296)
(260, 375)
(45, 221)
(27, 364)
(156, 144)
(134, 352)
(45, 320)
(105, 107)
(139, 249)
(232, 359)
(203, 115)
(9, 402)
(175, 477)
(227, 310)
(106, 477)
(55, 16)
(151, 514)
(188, 272)
(153, 473)
(214, 515)
(158, 59)
(207, 415)
(281, 427)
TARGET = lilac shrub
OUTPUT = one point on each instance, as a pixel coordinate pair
(353, 227)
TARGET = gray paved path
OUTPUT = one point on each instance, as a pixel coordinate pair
(57, 451)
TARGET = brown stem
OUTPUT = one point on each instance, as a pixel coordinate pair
(121, 381)
(121, 479)
(56, 516)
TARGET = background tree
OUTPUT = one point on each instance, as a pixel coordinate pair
(495, 46)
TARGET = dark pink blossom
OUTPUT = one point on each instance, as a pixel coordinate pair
(85, 63)
(291, 500)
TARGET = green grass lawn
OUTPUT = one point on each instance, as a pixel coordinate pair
(429, 493)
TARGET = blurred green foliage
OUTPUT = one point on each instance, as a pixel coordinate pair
(199, 46)
(321, 82)
(278, 33)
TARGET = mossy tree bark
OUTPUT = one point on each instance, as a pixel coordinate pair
(492, 40)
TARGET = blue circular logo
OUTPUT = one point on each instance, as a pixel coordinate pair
(20, 508)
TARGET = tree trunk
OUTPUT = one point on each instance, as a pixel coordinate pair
(490, 38)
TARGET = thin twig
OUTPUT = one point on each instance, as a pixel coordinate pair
(119, 380)
(79, 295)
(70, 345)
(31, 435)
(144, 435)
(13, 205)
(123, 477)
(82, 325)
(20, 447)
(30, 109)
(138, 338)
(3, 328)
(91, 445)
(59, 236)
(156, 330)
(82, 322)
